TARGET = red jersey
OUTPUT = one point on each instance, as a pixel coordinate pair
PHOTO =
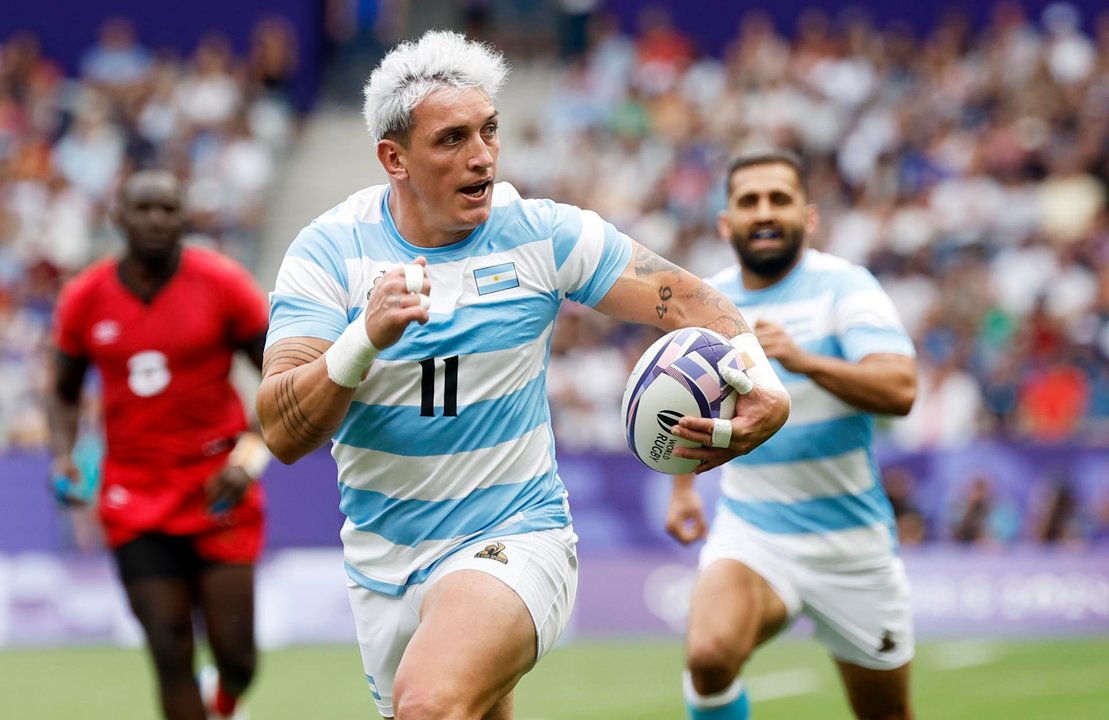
(170, 411)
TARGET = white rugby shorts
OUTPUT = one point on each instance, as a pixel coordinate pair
(863, 617)
(541, 567)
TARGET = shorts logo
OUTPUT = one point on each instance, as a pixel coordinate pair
(494, 552)
(888, 643)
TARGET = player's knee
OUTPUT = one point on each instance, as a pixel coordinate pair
(884, 710)
(423, 701)
(237, 669)
(713, 664)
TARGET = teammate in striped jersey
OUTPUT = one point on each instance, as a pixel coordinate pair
(803, 525)
(411, 325)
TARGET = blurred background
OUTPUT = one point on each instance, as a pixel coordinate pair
(960, 151)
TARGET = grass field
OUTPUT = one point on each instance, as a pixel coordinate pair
(1051, 680)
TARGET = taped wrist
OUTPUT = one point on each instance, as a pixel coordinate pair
(751, 361)
(351, 355)
(251, 454)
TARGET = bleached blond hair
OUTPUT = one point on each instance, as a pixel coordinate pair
(413, 70)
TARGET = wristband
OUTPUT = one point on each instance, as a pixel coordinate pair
(351, 355)
(751, 360)
(250, 454)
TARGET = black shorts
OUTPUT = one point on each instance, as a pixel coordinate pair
(159, 555)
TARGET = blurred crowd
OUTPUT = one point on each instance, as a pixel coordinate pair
(966, 168)
(218, 120)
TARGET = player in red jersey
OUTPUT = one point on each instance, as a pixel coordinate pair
(179, 503)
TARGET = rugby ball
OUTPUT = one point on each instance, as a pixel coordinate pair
(677, 376)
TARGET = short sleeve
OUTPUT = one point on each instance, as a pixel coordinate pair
(310, 296)
(590, 253)
(866, 319)
(69, 331)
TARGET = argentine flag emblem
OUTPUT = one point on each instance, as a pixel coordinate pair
(495, 278)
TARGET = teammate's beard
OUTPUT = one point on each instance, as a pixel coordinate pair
(770, 263)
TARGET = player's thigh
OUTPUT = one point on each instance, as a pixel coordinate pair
(878, 694)
(538, 569)
(475, 641)
(227, 603)
(733, 610)
(495, 607)
(864, 617)
(157, 572)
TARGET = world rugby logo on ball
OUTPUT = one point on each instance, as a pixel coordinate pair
(677, 376)
(668, 419)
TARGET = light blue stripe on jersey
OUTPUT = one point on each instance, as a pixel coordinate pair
(567, 229)
(293, 316)
(549, 517)
(818, 515)
(477, 328)
(866, 339)
(815, 441)
(326, 250)
(482, 424)
(409, 522)
(607, 272)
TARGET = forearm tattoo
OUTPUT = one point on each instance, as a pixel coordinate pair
(299, 426)
(649, 263)
(286, 359)
(730, 323)
(288, 356)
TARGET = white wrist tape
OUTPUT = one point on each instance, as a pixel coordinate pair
(251, 454)
(752, 363)
(721, 433)
(351, 355)
(413, 278)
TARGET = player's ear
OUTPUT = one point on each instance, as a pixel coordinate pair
(723, 226)
(812, 219)
(391, 156)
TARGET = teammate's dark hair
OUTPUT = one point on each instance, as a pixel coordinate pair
(767, 157)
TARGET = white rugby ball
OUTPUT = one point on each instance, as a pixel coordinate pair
(677, 376)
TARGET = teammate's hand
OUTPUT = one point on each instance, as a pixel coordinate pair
(65, 483)
(685, 516)
(758, 415)
(392, 304)
(226, 488)
(779, 345)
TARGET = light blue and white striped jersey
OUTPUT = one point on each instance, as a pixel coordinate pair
(448, 439)
(813, 489)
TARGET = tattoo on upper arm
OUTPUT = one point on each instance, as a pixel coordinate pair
(730, 323)
(647, 263)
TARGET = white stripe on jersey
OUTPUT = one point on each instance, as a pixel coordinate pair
(857, 549)
(484, 376)
(811, 403)
(797, 481)
(806, 320)
(586, 253)
(300, 277)
(868, 308)
(421, 478)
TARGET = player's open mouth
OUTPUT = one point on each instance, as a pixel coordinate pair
(477, 192)
(767, 233)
